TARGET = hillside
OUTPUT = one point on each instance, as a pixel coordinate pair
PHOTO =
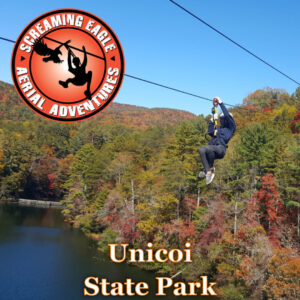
(132, 116)
(121, 184)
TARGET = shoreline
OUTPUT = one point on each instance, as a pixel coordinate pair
(34, 203)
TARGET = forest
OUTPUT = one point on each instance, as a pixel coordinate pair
(129, 176)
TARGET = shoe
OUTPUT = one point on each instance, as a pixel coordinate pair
(201, 175)
(64, 84)
(88, 95)
(210, 177)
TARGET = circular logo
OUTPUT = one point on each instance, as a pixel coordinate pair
(67, 65)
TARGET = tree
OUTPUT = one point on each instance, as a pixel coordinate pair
(241, 262)
(159, 210)
(257, 148)
(283, 275)
(267, 98)
(216, 224)
(85, 179)
(181, 163)
(19, 153)
(269, 205)
(119, 165)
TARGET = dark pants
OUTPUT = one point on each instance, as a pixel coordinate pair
(209, 153)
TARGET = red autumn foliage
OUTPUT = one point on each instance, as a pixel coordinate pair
(187, 231)
(178, 232)
(252, 210)
(187, 206)
(159, 179)
(250, 107)
(295, 126)
(265, 207)
(216, 227)
(241, 234)
(51, 179)
(129, 231)
(267, 109)
(140, 117)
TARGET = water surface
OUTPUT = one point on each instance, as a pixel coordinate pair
(42, 257)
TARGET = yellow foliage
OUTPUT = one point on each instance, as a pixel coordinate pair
(72, 132)
(226, 269)
(157, 211)
(289, 110)
(17, 134)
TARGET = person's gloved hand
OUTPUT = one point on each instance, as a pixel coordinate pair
(217, 99)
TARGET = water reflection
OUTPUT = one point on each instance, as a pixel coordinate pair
(42, 257)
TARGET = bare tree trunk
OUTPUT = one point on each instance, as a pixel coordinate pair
(83, 194)
(178, 202)
(125, 201)
(198, 197)
(298, 221)
(235, 226)
(93, 138)
(132, 196)
(235, 218)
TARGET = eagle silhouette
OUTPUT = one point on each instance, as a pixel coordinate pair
(42, 49)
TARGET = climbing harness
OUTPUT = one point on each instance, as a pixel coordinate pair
(214, 118)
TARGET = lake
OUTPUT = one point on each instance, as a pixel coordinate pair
(43, 257)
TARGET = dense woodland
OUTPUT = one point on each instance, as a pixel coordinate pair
(130, 175)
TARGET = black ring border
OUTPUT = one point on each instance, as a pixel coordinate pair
(122, 71)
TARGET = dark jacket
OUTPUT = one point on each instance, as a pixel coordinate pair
(225, 132)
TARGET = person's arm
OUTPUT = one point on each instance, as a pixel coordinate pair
(57, 48)
(85, 57)
(229, 118)
(210, 129)
(69, 61)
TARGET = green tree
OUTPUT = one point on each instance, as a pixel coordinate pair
(85, 179)
(181, 162)
(19, 153)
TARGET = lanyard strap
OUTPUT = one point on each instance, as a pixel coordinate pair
(215, 103)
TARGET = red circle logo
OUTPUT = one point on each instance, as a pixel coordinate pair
(67, 65)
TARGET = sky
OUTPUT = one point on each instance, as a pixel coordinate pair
(164, 44)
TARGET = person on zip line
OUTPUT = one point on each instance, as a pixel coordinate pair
(42, 49)
(221, 135)
(81, 76)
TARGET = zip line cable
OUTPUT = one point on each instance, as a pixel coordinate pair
(170, 88)
(72, 47)
(231, 40)
(188, 93)
(160, 85)
(7, 40)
